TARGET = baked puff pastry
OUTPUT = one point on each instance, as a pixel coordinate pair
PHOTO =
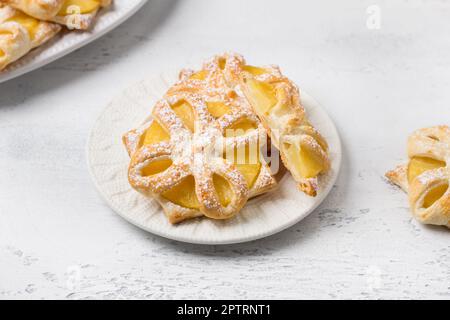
(75, 14)
(426, 176)
(20, 33)
(198, 153)
(276, 101)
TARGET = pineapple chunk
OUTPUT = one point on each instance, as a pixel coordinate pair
(223, 189)
(261, 95)
(201, 75)
(248, 165)
(240, 128)
(250, 172)
(154, 134)
(256, 71)
(84, 6)
(222, 63)
(306, 161)
(185, 113)
(183, 194)
(217, 108)
(434, 195)
(418, 165)
(156, 167)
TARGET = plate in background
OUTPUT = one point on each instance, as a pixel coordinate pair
(65, 43)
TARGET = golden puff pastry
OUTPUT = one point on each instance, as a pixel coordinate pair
(75, 14)
(198, 153)
(276, 101)
(20, 33)
(426, 176)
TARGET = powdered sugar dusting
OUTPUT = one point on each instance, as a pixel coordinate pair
(200, 153)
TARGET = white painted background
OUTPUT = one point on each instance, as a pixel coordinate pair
(59, 240)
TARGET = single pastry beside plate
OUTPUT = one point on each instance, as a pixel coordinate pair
(20, 33)
(75, 14)
(426, 176)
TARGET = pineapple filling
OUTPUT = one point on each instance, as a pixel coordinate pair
(305, 161)
(2, 53)
(200, 75)
(183, 194)
(434, 195)
(240, 128)
(156, 167)
(222, 63)
(223, 190)
(31, 24)
(185, 113)
(418, 165)
(261, 95)
(256, 71)
(250, 172)
(154, 134)
(5, 33)
(82, 7)
(217, 108)
(247, 162)
(283, 110)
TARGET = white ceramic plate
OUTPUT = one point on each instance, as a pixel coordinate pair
(64, 44)
(261, 217)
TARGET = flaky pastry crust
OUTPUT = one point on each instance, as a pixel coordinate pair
(15, 38)
(287, 123)
(49, 10)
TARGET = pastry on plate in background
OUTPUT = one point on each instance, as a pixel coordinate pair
(20, 33)
(28, 24)
(74, 14)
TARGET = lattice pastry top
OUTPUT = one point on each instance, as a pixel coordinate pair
(198, 153)
(426, 176)
(75, 14)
